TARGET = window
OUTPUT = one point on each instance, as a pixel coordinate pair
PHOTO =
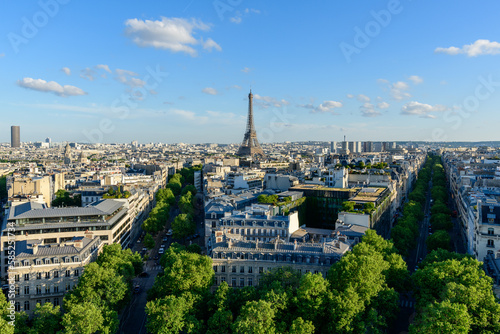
(47, 300)
(222, 279)
(68, 286)
(77, 272)
(38, 262)
(47, 275)
(66, 259)
(250, 281)
(250, 270)
(56, 288)
(56, 260)
(17, 307)
(47, 289)
(242, 282)
(215, 281)
(17, 290)
(26, 290)
(491, 243)
(38, 275)
(242, 269)
(223, 269)
(491, 231)
(233, 269)
(38, 301)
(215, 268)
(76, 259)
(46, 261)
(16, 277)
(56, 274)
(261, 270)
(56, 301)
(26, 305)
(68, 273)
(233, 281)
(38, 290)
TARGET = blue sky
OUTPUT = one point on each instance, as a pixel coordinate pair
(180, 71)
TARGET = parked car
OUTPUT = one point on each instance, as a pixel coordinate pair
(170, 232)
(144, 249)
(137, 289)
(165, 239)
(161, 251)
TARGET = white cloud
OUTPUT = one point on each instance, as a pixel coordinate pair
(368, 110)
(103, 67)
(88, 74)
(416, 79)
(235, 87)
(350, 96)
(398, 90)
(66, 70)
(127, 77)
(209, 44)
(50, 87)
(210, 91)
(236, 19)
(382, 105)
(325, 107)
(246, 70)
(362, 98)
(174, 34)
(414, 108)
(478, 48)
(268, 101)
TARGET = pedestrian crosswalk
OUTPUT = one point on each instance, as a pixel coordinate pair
(406, 303)
(153, 268)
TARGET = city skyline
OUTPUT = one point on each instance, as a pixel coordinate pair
(180, 72)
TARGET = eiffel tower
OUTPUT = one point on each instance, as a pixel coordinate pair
(250, 145)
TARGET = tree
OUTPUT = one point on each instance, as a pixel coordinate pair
(441, 221)
(299, 326)
(82, 318)
(189, 188)
(46, 319)
(123, 261)
(256, 317)
(348, 206)
(369, 207)
(64, 198)
(167, 315)
(5, 327)
(220, 322)
(165, 195)
(184, 272)
(440, 239)
(182, 226)
(442, 318)
(149, 242)
(312, 298)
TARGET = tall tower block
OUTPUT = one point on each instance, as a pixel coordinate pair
(250, 145)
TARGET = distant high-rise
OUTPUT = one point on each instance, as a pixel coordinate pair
(250, 145)
(15, 136)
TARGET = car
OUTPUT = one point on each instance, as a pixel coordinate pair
(137, 289)
(138, 240)
(161, 251)
(170, 232)
(144, 275)
(196, 236)
(165, 239)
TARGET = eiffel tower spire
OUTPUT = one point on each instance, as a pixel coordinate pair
(250, 145)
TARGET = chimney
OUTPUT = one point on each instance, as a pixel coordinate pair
(35, 248)
(295, 244)
(89, 234)
(257, 243)
(229, 243)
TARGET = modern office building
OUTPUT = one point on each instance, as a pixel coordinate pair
(15, 136)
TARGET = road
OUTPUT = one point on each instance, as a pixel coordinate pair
(133, 317)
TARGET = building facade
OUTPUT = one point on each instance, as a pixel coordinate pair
(43, 273)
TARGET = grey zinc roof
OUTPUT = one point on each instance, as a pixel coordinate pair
(104, 207)
(24, 249)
